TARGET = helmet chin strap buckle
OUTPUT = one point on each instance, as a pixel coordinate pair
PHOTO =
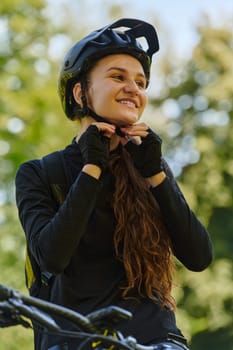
(91, 113)
(119, 132)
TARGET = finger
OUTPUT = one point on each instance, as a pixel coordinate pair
(136, 132)
(137, 126)
(140, 129)
(108, 133)
(135, 139)
(107, 129)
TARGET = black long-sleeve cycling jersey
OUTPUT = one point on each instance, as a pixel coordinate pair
(75, 242)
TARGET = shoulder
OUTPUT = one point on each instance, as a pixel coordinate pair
(30, 166)
(40, 174)
(36, 166)
(34, 169)
(30, 177)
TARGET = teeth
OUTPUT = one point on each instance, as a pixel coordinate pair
(129, 103)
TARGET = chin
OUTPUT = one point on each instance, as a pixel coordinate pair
(123, 120)
(128, 120)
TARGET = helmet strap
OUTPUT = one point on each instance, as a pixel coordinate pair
(83, 97)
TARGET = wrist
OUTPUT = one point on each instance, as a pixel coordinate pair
(156, 179)
(92, 170)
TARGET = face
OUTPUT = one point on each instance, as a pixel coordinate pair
(117, 89)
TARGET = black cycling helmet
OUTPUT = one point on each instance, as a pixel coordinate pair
(100, 43)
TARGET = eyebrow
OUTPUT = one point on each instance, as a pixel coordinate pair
(124, 71)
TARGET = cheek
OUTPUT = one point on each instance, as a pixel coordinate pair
(144, 100)
(96, 95)
(143, 105)
(91, 97)
(98, 101)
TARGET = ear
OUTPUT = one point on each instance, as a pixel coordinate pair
(77, 93)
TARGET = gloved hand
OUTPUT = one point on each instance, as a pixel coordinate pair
(94, 147)
(147, 156)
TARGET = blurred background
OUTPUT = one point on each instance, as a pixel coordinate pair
(190, 106)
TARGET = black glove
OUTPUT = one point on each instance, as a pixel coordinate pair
(147, 156)
(94, 147)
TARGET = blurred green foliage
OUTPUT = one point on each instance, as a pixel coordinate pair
(197, 109)
(194, 117)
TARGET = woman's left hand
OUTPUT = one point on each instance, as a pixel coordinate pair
(134, 133)
(147, 154)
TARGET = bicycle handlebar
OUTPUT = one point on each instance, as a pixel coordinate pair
(14, 307)
(13, 304)
(12, 296)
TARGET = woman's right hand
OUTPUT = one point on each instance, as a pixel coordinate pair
(94, 144)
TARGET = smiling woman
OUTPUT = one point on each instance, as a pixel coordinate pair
(123, 217)
(116, 89)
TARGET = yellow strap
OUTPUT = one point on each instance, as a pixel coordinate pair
(30, 276)
(105, 333)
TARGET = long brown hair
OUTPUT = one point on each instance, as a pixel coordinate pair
(141, 240)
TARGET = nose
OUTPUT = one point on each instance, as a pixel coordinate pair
(131, 87)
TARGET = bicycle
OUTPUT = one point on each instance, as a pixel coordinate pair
(97, 330)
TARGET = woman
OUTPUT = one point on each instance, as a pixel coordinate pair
(112, 240)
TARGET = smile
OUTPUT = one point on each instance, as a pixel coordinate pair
(129, 103)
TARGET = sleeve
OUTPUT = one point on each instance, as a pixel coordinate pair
(53, 233)
(190, 240)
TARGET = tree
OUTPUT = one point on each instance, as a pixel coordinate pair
(30, 117)
(198, 128)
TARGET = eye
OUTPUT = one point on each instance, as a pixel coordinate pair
(119, 77)
(141, 84)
